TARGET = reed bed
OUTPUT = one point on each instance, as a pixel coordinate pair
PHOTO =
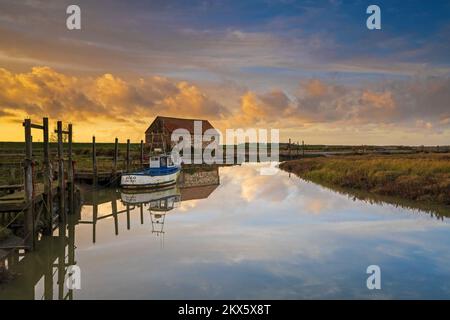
(418, 177)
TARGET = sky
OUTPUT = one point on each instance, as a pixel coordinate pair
(311, 69)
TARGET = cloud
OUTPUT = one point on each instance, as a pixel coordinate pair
(46, 92)
(390, 102)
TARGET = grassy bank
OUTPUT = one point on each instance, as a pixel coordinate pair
(423, 178)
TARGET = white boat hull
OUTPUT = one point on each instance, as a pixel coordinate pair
(138, 197)
(146, 181)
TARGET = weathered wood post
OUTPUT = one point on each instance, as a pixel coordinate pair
(128, 156)
(289, 147)
(61, 178)
(116, 155)
(28, 167)
(116, 218)
(61, 260)
(128, 217)
(71, 173)
(47, 181)
(303, 148)
(94, 162)
(142, 153)
(94, 215)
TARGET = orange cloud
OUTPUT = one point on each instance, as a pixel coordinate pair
(382, 100)
(105, 101)
(316, 88)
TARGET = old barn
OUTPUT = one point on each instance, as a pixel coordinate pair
(158, 134)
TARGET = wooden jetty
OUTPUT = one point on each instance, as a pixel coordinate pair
(35, 207)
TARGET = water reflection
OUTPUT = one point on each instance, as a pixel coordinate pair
(242, 235)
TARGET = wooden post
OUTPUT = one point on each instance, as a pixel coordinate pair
(94, 215)
(61, 260)
(142, 213)
(71, 173)
(47, 181)
(289, 147)
(116, 155)
(303, 148)
(142, 153)
(94, 162)
(62, 209)
(28, 166)
(128, 217)
(116, 218)
(128, 156)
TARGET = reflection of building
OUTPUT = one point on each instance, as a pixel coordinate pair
(158, 134)
(199, 183)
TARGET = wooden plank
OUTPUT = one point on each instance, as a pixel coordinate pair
(12, 187)
(12, 242)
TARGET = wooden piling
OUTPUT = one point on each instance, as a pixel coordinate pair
(289, 148)
(128, 217)
(128, 156)
(303, 148)
(61, 178)
(94, 163)
(142, 154)
(28, 167)
(116, 218)
(116, 155)
(71, 173)
(48, 197)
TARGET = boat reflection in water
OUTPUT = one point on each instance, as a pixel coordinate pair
(158, 202)
(43, 273)
(191, 185)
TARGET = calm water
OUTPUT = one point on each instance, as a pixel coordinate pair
(244, 236)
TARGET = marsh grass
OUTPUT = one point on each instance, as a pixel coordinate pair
(418, 177)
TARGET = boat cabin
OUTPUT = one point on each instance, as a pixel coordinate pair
(162, 161)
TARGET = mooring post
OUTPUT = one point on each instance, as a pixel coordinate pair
(303, 148)
(289, 147)
(71, 173)
(116, 218)
(61, 178)
(128, 217)
(94, 215)
(116, 155)
(47, 181)
(128, 156)
(28, 166)
(94, 162)
(142, 153)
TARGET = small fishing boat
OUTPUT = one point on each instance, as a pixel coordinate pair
(162, 172)
(136, 197)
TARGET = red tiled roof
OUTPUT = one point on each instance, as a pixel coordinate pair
(171, 124)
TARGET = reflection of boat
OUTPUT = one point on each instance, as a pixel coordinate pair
(158, 201)
(138, 197)
(162, 172)
(158, 209)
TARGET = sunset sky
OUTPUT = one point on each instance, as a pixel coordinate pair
(309, 68)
